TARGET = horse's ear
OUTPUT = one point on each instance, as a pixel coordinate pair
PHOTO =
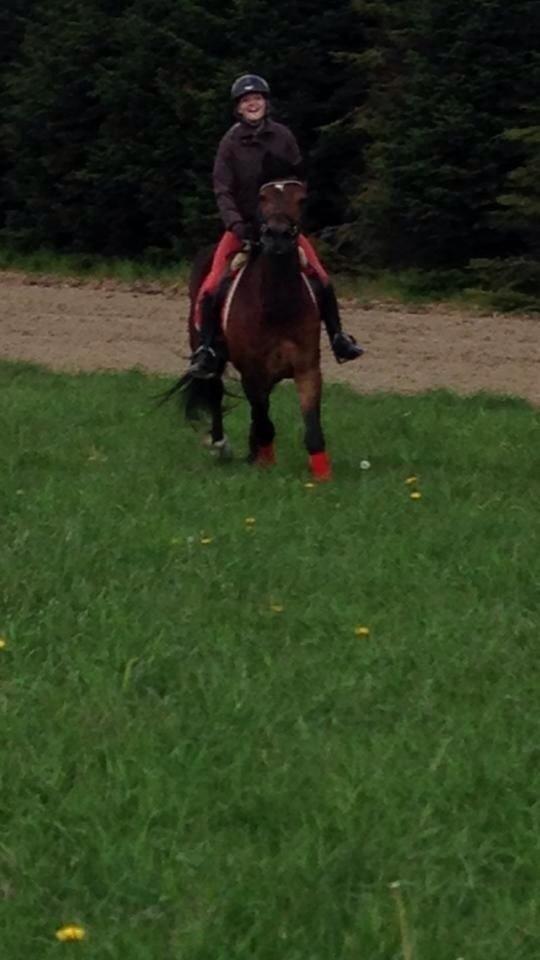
(298, 191)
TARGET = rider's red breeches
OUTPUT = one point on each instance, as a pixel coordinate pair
(229, 245)
(312, 258)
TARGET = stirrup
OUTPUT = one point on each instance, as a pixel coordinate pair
(345, 347)
(204, 363)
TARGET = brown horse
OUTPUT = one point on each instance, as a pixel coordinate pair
(271, 333)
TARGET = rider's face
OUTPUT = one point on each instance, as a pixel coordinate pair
(252, 107)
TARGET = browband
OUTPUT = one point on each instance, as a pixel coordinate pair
(281, 184)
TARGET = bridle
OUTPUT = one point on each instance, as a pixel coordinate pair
(292, 231)
(280, 184)
(293, 227)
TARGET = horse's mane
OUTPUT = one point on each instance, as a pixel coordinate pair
(282, 287)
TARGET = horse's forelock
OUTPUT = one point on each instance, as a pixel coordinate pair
(282, 197)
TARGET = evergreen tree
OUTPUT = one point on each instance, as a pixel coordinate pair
(13, 18)
(302, 48)
(151, 162)
(416, 118)
(445, 81)
(116, 110)
(51, 120)
(521, 199)
(106, 128)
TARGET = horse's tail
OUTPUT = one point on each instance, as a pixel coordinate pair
(197, 397)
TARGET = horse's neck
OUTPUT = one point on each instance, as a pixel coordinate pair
(281, 286)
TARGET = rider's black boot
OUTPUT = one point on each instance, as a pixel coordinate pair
(205, 361)
(344, 346)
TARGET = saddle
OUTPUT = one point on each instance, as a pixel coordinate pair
(240, 259)
(232, 276)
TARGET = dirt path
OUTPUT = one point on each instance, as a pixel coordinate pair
(75, 325)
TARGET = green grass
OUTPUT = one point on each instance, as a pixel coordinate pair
(405, 286)
(194, 776)
(91, 266)
(416, 287)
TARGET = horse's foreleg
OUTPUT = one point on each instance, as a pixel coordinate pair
(309, 387)
(262, 431)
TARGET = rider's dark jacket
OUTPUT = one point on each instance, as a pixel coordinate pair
(246, 158)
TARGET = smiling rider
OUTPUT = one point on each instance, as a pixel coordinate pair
(253, 145)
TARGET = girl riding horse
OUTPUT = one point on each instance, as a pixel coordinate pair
(252, 146)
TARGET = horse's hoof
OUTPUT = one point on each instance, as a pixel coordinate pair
(224, 451)
(221, 449)
(320, 466)
(266, 456)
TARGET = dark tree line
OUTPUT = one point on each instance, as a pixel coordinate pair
(420, 122)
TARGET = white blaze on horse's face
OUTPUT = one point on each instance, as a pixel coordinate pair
(282, 199)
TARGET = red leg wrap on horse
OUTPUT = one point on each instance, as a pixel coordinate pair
(321, 466)
(266, 455)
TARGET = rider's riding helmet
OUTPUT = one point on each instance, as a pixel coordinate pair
(249, 83)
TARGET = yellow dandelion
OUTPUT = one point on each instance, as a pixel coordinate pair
(205, 540)
(411, 480)
(249, 521)
(276, 608)
(416, 495)
(3, 643)
(361, 631)
(71, 932)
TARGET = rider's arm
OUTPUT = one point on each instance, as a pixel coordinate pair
(224, 186)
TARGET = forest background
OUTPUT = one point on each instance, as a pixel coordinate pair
(419, 121)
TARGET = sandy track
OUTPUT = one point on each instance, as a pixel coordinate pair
(71, 325)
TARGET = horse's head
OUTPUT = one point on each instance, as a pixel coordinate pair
(280, 203)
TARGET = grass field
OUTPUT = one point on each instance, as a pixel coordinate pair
(203, 757)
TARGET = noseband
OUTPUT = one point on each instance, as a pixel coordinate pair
(292, 227)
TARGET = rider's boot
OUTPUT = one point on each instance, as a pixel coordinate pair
(344, 346)
(205, 361)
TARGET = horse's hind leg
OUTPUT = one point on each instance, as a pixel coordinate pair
(262, 431)
(309, 387)
(217, 439)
